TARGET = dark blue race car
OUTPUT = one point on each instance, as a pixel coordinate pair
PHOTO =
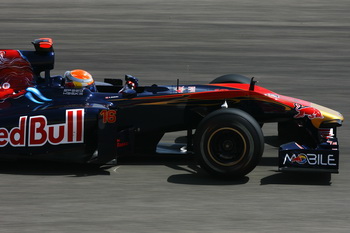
(53, 118)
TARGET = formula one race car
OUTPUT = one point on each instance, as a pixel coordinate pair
(49, 117)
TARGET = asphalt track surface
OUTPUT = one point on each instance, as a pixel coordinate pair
(298, 48)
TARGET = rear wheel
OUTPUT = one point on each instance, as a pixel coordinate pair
(229, 143)
(231, 78)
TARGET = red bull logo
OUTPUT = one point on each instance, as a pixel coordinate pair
(300, 159)
(307, 111)
(16, 75)
(39, 132)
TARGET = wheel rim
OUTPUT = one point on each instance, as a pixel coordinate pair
(226, 146)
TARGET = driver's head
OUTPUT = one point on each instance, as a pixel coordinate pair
(79, 79)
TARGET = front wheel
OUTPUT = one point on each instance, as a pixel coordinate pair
(229, 143)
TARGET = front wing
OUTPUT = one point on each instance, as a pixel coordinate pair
(294, 157)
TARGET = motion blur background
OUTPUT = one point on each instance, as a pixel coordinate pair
(298, 48)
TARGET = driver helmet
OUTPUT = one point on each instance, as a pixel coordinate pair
(79, 79)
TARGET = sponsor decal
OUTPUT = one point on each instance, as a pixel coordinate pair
(311, 159)
(332, 143)
(184, 89)
(192, 89)
(119, 143)
(39, 132)
(77, 91)
(180, 89)
(300, 159)
(16, 75)
(308, 111)
(112, 97)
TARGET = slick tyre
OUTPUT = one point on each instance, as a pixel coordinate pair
(229, 143)
(231, 78)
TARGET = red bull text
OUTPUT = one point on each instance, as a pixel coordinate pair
(39, 132)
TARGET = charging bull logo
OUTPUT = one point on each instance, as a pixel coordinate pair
(35, 131)
(16, 78)
(16, 75)
(308, 111)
